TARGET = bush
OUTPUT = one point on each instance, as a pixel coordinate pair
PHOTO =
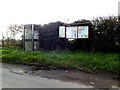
(103, 36)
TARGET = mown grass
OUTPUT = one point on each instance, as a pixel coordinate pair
(64, 59)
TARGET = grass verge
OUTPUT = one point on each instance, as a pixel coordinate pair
(90, 62)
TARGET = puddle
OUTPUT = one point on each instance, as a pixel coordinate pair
(17, 71)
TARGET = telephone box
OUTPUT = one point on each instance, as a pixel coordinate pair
(31, 36)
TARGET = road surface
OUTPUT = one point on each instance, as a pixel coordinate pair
(14, 77)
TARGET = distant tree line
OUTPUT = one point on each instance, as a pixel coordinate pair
(10, 40)
(104, 36)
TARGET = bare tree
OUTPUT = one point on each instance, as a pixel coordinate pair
(3, 40)
(15, 29)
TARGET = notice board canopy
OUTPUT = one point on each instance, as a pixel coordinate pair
(74, 31)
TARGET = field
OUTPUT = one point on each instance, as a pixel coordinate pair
(79, 60)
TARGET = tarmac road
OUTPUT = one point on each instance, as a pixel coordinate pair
(14, 77)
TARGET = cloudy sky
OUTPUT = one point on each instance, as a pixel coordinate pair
(45, 11)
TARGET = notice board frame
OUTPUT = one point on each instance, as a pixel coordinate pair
(77, 24)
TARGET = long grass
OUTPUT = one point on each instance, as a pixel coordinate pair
(64, 59)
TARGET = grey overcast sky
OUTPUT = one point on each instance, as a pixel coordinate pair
(45, 11)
